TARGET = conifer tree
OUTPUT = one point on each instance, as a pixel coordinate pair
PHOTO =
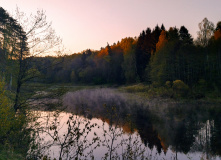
(162, 27)
(173, 34)
(155, 37)
(185, 37)
(218, 25)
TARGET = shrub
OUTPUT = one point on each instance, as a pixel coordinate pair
(168, 84)
(6, 112)
(180, 88)
(14, 133)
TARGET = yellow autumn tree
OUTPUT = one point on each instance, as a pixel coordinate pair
(162, 40)
(7, 113)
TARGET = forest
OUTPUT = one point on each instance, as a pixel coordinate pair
(166, 63)
(157, 57)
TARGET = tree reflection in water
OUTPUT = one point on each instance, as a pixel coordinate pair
(105, 124)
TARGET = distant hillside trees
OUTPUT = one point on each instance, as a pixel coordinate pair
(155, 57)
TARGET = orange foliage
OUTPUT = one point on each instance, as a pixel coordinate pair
(217, 34)
(162, 40)
(163, 144)
(127, 128)
(127, 43)
(103, 52)
(124, 46)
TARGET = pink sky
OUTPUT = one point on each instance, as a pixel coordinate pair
(84, 24)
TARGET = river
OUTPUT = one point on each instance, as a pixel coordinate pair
(107, 124)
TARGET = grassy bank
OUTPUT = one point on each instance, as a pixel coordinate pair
(168, 92)
(177, 91)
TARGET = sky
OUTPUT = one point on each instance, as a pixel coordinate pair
(91, 24)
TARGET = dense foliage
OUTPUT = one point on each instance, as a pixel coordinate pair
(155, 57)
(15, 73)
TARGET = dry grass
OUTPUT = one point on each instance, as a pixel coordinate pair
(136, 88)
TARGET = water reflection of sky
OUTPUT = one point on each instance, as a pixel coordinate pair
(163, 130)
(53, 151)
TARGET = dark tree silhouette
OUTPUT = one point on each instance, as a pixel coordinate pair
(185, 36)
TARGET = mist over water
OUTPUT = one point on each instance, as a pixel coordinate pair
(167, 131)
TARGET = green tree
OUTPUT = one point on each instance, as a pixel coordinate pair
(185, 36)
(74, 77)
(109, 59)
(143, 51)
(9, 45)
(141, 59)
(173, 34)
(158, 66)
(129, 64)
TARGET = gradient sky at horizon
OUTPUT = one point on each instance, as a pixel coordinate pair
(84, 24)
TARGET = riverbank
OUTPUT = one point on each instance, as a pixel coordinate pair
(139, 91)
(159, 122)
(166, 93)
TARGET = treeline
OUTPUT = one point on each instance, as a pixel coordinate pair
(120, 63)
(157, 56)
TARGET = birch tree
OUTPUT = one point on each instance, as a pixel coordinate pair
(206, 30)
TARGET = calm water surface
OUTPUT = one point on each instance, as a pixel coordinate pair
(104, 124)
